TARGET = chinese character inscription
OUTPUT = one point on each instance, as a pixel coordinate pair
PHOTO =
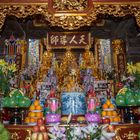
(61, 40)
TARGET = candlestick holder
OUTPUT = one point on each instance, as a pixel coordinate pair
(128, 114)
(16, 114)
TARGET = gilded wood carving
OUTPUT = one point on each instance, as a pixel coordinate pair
(73, 5)
(67, 15)
(18, 133)
(128, 132)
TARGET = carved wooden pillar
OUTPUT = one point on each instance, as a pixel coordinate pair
(98, 58)
(23, 51)
(119, 58)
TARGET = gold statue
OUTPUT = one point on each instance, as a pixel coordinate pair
(46, 63)
(23, 50)
(89, 62)
(88, 58)
(68, 64)
(71, 82)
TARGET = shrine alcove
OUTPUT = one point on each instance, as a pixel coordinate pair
(105, 27)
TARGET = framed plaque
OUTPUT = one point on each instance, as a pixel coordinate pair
(59, 40)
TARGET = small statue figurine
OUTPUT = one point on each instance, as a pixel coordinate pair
(70, 82)
(88, 82)
(88, 58)
(46, 62)
(51, 79)
(91, 93)
(52, 94)
(54, 64)
(88, 61)
(81, 62)
(92, 101)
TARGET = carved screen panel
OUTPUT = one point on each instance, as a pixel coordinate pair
(69, 5)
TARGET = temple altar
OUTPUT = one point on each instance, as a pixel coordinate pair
(59, 68)
(123, 132)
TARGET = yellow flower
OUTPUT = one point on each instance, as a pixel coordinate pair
(131, 68)
(2, 62)
(138, 64)
(12, 67)
(4, 69)
(138, 67)
(122, 91)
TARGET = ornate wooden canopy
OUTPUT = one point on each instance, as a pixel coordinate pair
(69, 14)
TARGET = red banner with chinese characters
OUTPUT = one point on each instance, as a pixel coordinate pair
(121, 64)
(58, 40)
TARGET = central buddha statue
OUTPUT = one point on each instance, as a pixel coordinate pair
(72, 96)
(68, 63)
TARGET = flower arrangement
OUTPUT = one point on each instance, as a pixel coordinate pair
(129, 95)
(109, 72)
(133, 68)
(29, 72)
(91, 131)
(57, 133)
(6, 72)
(133, 71)
(70, 132)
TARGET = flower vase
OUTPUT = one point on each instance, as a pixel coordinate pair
(16, 117)
(130, 116)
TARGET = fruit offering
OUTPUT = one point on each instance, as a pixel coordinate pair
(81, 119)
(40, 131)
(35, 112)
(108, 105)
(127, 97)
(64, 119)
(16, 98)
(120, 100)
(109, 113)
